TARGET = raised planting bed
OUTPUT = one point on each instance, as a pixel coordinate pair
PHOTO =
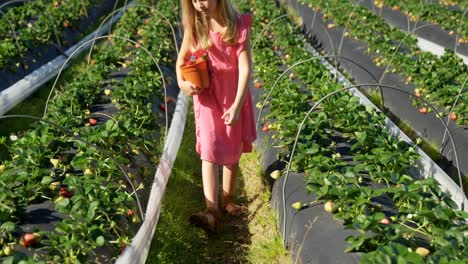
(355, 61)
(75, 186)
(37, 32)
(449, 19)
(447, 28)
(439, 80)
(347, 161)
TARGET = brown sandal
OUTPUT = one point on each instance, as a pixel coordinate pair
(226, 201)
(207, 220)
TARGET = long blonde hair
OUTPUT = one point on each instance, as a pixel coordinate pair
(197, 25)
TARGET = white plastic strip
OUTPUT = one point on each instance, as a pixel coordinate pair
(436, 49)
(137, 251)
(427, 166)
(23, 88)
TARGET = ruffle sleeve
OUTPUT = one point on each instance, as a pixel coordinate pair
(245, 26)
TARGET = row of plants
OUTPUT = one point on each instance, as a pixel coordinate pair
(74, 164)
(422, 224)
(437, 79)
(37, 23)
(460, 3)
(449, 19)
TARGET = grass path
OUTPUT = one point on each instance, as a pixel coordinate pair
(251, 238)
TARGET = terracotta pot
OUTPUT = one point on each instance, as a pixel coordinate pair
(197, 73)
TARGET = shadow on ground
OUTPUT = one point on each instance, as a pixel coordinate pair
(175, 240)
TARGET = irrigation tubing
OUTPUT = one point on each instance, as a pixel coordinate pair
(126, 7)
(16, 39)
(332, 45)
(399, 45)
(348, 88)
(13, 1)
(301, 62)
(451, 111)
(265, 28)
(458, 35)
(118, 37)
(74, 136)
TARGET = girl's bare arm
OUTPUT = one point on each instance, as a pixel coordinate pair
(187, 87)
(244, 63)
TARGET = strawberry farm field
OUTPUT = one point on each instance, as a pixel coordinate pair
(361, 154)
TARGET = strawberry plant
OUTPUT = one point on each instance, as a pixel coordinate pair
(434, 13)
(79, 168)
(438, 79)
(38, 23)
(377, 167)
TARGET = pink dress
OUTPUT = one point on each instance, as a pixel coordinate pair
(217, 142)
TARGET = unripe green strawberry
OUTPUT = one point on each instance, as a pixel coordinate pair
(297, 206)
(8, 250)
(329, 207)
(55, 162)
(275, 174)
(421, 251)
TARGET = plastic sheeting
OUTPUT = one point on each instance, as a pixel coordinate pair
(137, 251)
(428, 168)
(363, 70)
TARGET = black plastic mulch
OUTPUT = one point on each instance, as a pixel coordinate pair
(364, 71)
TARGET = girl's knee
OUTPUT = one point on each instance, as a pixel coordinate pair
(232, 166)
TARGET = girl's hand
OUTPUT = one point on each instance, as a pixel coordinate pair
(189, 88)
(231, 116)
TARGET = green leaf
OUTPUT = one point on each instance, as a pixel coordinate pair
(46, 180)
(110, 125)
(63, 203)
(8, 227)
(92, 210)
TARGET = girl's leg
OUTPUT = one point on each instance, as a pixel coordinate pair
(210, 184)
(208, 218)
(230, 173)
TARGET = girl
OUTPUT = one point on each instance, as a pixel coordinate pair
(224, 116)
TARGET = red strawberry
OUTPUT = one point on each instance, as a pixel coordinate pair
(453, 116)
(162, 107)
(395, 8)
(29, 239)
(277, 48)
(92, 121)
(130, 212)
(65, 193)
(170, 99)
(258, 85)
(265, 128)
(122, 247)
(385, 221)
(423, 110)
